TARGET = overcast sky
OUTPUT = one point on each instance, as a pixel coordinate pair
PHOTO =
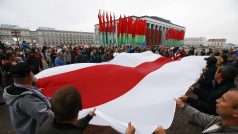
(202, 18)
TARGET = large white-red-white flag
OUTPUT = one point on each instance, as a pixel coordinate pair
(137, 88)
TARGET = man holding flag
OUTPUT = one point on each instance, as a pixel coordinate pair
(225, 123)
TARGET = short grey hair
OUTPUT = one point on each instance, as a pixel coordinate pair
(235, 106)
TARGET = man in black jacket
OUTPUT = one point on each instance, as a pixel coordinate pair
(206, 80)
(224, 77)
(66, 103)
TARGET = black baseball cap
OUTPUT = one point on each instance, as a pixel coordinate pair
(20, 70)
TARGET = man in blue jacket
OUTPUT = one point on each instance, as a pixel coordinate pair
(59, 61)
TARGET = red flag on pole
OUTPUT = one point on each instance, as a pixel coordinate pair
(114, 23)
(124, 25)
(100, 21)
(103, 22)
(119, 26)
(111, 28)
(130, 25)
(107, 22)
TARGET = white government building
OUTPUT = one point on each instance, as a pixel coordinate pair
(10, 34)
(195, 42)
(217, 43)
(210, 43)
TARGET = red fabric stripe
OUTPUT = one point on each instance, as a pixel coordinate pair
(102, 83)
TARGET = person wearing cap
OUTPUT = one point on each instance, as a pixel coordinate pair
(59, 60)
(28, 107)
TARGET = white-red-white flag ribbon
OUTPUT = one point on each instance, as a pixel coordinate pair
(137, 88)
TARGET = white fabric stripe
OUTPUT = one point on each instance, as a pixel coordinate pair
(124, 59)
(151, 102)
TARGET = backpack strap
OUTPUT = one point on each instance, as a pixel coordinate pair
(20, 96)
(32, 94)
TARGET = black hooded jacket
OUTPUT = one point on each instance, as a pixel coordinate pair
(209, 105)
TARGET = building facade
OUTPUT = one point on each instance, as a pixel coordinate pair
(12, 34)
(161, 26)
(156, 29)
(58, 38)
(231, 46)
(195, 42)
(217, 43)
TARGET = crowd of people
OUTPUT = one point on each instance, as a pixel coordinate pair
(215, 107)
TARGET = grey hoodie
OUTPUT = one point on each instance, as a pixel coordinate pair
(28, 108)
